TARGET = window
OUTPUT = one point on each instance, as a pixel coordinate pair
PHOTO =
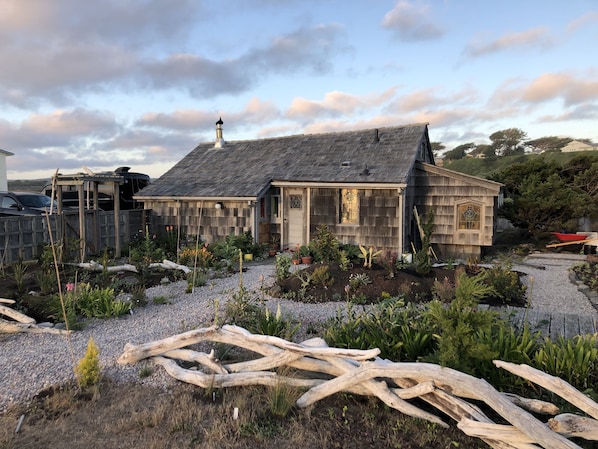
(296, 201)
(349, 206)
(468, 216)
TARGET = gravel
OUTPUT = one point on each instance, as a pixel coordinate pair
(30, 363)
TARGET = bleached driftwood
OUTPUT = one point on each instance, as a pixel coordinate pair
(7, 301)
(16, 315)
(554, 384)
(10, 327)
(362, 372)
(165, 264)
(95, 266)
(575, 426)
(169, 265)
(22, 323)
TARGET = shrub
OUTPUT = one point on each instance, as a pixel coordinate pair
(325, 245)
(443, 291)
(199, 256)
(88, 368)
(96, 302)
(276, 325)
(587, 273)
(283, 265)
(357, 280)
(573, 360)
(506, 283)
(321, 276)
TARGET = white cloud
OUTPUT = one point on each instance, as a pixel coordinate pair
(410, 22)
(535, 38)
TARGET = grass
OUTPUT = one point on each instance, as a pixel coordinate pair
(134, 415)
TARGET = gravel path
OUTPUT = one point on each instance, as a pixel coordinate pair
(32, 362)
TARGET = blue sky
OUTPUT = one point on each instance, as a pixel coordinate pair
(141, 82)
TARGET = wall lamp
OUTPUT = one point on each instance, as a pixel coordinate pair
(219, 205)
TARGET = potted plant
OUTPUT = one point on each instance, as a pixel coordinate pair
(305, 253)
(274, 245)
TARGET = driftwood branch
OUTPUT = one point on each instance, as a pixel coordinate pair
(363, 373)
(10, 327)
(165, 264)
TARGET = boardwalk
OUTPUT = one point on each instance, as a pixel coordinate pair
(553, 324)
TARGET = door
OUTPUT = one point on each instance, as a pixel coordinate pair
(296, 217)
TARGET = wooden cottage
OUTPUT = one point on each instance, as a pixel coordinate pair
(362, 184)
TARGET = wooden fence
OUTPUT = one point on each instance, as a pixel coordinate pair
(24, 237)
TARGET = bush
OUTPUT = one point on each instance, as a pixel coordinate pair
(506, 283)
(325, 246)
(283, 265)
(88, 368)
(95, 302)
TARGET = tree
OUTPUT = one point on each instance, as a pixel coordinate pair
(437, 147)
(546, 196)
(459, 152)
(508, 142)
(548, 143)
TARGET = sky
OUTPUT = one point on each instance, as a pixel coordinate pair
(140, 83)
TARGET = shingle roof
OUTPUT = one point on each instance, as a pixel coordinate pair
(244, 168)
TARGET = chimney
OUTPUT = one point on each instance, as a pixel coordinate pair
(219, 140)
(376, 136)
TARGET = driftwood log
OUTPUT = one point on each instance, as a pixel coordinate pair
(165, 264)
(362, 372)
(21, 322)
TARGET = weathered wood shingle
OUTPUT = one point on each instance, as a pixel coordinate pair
(245, 168)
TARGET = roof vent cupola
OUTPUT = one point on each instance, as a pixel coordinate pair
(219, 140)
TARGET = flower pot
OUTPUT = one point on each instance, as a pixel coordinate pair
(272, 253)
(248, 257)
(296, 261)
(306, 260)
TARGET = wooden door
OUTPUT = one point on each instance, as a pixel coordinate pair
(296, 217)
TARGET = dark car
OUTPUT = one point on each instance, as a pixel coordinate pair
(24, 203)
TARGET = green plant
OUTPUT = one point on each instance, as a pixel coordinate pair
(343, 260)
(443, 291)
(304, 251)
(505, 282)
(138, 295)
(196, 278)
(587, 273)
(457, 326)
(18, 271)
(160, 300)
(573, 360)
(88, 369)
(368, 255)
(423, 263)
(281, 398)
(98, 302)
(321, 276)
(283, 265)
(326, 245)
(357, 280)
(276, 325)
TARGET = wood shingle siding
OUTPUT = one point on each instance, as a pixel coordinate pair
(286, 187)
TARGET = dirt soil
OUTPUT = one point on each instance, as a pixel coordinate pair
(140, 416)
(416, 288)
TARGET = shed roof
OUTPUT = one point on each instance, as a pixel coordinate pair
(245, 168)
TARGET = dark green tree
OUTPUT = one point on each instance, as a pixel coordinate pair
(508, 142)
(459, 152)
(548, 143)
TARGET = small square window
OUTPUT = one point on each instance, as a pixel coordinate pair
(296, 201)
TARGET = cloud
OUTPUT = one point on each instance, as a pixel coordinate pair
(583, 112)
(192, 120)
(336, 104)
(570, 87)
(67, 51)
(534, 38)
(410, 23)
(588, 18)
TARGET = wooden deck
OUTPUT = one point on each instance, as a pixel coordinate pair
(552, 324)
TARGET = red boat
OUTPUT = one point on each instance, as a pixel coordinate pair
(565, 237)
